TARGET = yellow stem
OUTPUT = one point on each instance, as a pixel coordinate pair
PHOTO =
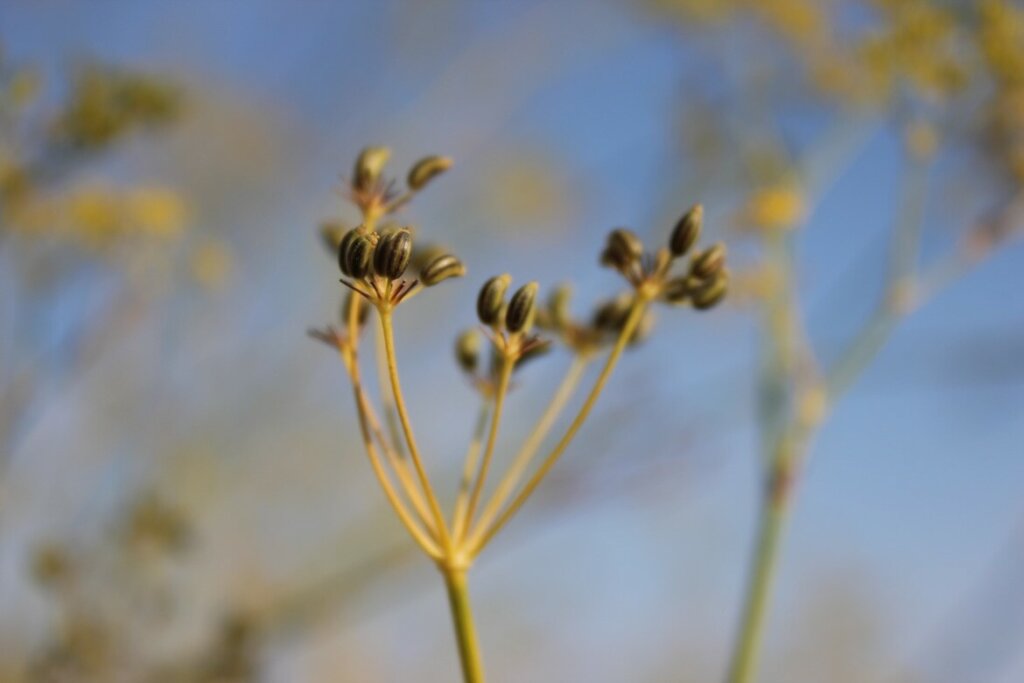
(421, 537)
(504, 375)
(396, 455)
(483, 536)
(468, 470)
(414, 453)
(465, 631)
(525, 455)
(386, 396)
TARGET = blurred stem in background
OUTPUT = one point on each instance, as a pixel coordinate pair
(796, 397)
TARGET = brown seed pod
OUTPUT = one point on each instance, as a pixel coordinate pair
(622, 249)
(712, 293)
(467, 350)
(360, 257)
(426, 169)
(344, 246)
(441, 268)
(611, 315)
(519, 316)
(677, 290)
(369, 164)
(492, 299)
(687, 231)
(709, 262)
(393, 252)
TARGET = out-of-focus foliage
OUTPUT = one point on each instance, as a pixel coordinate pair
(951, 72)
(42, 147)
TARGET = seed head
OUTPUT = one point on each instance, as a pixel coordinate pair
(622, 249)
(687, 231)
(344, 247)
(368, 167)
(709, 262)
(467, 350)
(521, 309)
(492, 298)
(677, 290)
(440, 269)
(611, 315)
(360, 257)
(394, 249)
(426, 169)
(713, 291)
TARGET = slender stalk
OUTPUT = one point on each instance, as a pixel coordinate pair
(387, 397)
(398, 464)
(482, 536)
(465, 631)
(421, 537)
(469, 469)
(522, 460)
(504, 375)
(396, 455)
(773, 517)
(414, 453)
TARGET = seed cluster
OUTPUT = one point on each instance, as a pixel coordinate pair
(705, 282)
(375, 259)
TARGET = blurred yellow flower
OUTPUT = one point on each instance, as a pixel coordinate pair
(96, 216)
(211, 264)
(775, 208)
(157, 212)
(93, 215)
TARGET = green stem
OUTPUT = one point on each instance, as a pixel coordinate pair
(748, 645)
(774, 517)
(465, 631)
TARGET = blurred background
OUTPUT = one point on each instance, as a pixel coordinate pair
(183, 495)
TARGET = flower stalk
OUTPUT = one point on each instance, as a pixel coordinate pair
(374, 259)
